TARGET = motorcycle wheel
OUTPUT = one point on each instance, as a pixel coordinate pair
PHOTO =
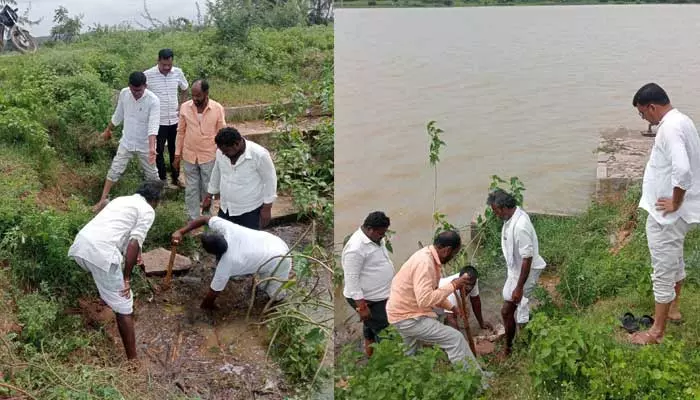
(23, 41)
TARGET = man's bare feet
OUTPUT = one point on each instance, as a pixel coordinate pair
(646, 337)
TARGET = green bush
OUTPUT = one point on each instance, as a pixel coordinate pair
(390, 375)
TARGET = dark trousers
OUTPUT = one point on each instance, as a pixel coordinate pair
(166, 133)
(378, 320)
(251, 219)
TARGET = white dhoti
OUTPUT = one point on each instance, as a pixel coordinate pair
(109, 284)
(666, 250)
(522, 313)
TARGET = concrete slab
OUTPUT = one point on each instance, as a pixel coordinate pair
(622, 157)
(155, 263)
(283, 212)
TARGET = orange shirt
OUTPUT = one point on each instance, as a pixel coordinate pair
(414, 289)
(195, 138)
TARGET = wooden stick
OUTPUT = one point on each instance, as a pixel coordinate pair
(465, 314)
(169, 274)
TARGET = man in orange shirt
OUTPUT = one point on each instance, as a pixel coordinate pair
(200, 120)
(415, 292)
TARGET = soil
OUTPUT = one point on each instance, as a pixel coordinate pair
(213, 355)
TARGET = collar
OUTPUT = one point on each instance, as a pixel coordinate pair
(194, 107)
(435, 255)
(671, 111)
(366, 240)
(247, 153)
(158, 70)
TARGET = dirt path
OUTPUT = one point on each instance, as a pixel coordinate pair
(211, 355)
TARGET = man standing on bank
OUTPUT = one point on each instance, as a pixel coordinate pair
(115, 236)
(200, 119)
(139, 109)
(523, 262)
(245, 179)
(368, 273)
(164, 80)
(671, 196)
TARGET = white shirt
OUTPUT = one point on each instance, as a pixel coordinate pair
(367, 267)
(166, 88)
(140, 119)
(518, 241)
(473, 293)
(247, 250)
(246, 185)
(674, 161)
(105, 238)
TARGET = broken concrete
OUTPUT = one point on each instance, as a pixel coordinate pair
(155, 263)
(283, 211)
(622, 156)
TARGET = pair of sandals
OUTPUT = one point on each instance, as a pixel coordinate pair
(632, 324)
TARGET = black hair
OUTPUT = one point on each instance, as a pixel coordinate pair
(203, 83)
(150, 190)
(651, 93)
(165, 54)
(214, 243)
(376, 219)
(469, 270)
(501, 198)
(228, 136)
(448, 239)
(137, 78)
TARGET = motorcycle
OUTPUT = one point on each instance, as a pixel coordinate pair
(20, 37)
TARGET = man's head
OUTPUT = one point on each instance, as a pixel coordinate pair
(502, 203)
(230, 142)
(137, 84)
(471, 272)
(651, 102)
(376, 225)
(214, 243)
(200, 92)
(151, 191)
(165, 61)
(447, 245)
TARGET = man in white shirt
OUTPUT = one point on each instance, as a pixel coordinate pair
(671, 196)
(115, 236)
(241, 251)
(523, 262)
(368, 272)
(139, 109)
(167, 82)
(474, 298)
(245, 179)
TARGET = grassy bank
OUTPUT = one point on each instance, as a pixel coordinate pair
(573, 347)
(53, 105)
(487, 3)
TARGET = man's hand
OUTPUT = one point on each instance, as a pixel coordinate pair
(457, 312)
(265, 215)
(452, 321)
(126, 292)
(107, 134)
(517, 295)
(206, 203)
(176, 238)
(461, 282)
(363, 310)
(666, 205)
(176, 162)
(152, 156)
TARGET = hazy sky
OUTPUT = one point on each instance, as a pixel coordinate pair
(107, 11)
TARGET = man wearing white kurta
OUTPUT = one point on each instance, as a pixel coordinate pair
(167, 82)
(241, 251)
(368, 271)
(245, 179)
(113, 236)
(671, 196)
(523, 262)
(139, 109)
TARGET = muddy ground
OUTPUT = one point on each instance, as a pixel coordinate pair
(213, 355)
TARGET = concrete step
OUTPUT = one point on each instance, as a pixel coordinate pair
(283, 211)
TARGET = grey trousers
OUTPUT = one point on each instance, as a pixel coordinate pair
(431, 331)
(121, 160)
(196, 181)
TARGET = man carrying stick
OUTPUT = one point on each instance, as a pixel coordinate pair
(474, 298)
